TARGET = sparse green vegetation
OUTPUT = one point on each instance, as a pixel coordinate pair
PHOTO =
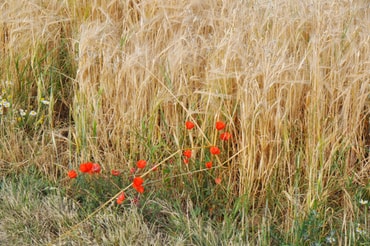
(207, 122)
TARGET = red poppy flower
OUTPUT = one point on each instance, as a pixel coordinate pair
(121, 198)
(139, 188)
(209, 164)
(96, 168)
(115, 172)
(138, 184)
(86, 167)
(218, 180)
(225, 136)
(214, 150)
(132, 170)
(189, 125)
(72, 174)
(186, 161)
(138, 181)
(141, 164)
(220, 125)
(187, 153)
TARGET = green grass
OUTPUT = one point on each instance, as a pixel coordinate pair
(113, 82)
(35, 211)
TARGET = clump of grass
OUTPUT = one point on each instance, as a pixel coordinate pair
(33, 210)
(36, 211)
(291, 80)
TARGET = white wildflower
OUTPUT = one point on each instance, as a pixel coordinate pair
(45, 102)
(360, 230)
(363, 202)
(22, 112)
(33, 113)
(6, 104)
(330, 239)
(9, 83)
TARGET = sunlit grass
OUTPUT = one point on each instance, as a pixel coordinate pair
(114, 82)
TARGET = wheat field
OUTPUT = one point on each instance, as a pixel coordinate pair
(114, 81)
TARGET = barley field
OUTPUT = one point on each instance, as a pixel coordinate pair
(208, 122)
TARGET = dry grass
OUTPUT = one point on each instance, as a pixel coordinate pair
(290, 78)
